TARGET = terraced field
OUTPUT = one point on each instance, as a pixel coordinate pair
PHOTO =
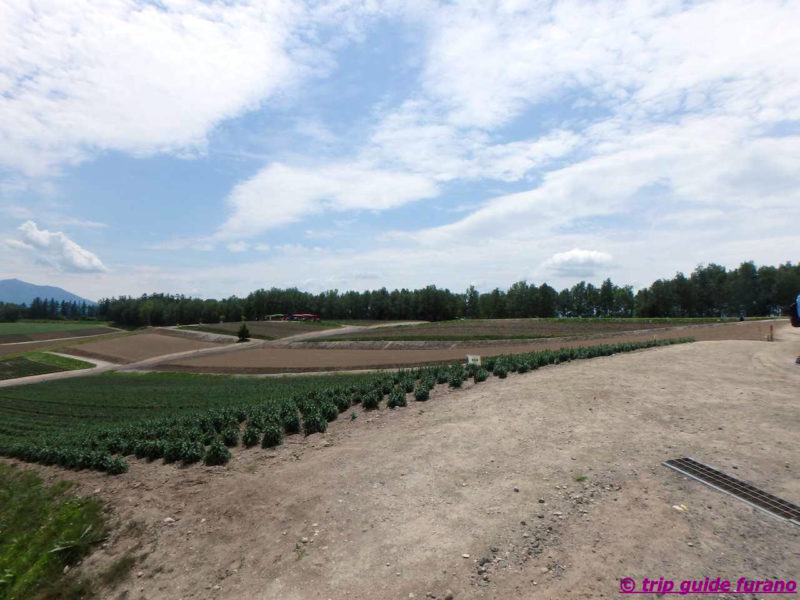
(511, 329)
(32, 331)
(264, 330)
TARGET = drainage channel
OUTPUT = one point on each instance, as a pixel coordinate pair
(735, 487)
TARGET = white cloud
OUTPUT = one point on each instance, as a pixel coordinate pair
(139, 77)
(281, 194)
(57, 250)
(578, 262)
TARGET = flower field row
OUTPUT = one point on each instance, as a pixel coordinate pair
(189, 432)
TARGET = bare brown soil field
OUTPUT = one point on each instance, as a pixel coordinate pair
(267, 329)
(509, 328)
(480, 491)
(301, 359)
(54, 335)
(133, 348)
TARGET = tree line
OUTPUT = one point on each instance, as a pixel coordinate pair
(43, 308)
(709, 291)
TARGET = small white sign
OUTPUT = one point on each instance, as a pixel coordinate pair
(473, 359)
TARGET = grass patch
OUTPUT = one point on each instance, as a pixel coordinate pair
(38, 363)
(62, 362)
(42, 530)
(578, 477)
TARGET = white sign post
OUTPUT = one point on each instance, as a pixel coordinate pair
(473, 359)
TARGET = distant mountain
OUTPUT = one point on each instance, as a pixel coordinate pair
(22, 292)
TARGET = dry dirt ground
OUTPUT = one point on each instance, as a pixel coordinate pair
(133, 348)
(354, 355)
(412, 501)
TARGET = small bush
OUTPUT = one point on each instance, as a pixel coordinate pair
(342, 402)
(397, 397)
(217, 454)
(408, 385)
(371, 400)
(314, 422)
(481, 374)
(230, 437)
(456, 379)
(192, 452)
(243, 333)
(251, 437)
(290, 419)
(172, 451)
(273, 436)
(500, 370)
(421, 393)
(114, 465)
(330, 411)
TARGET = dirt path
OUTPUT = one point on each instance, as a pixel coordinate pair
(409, 502)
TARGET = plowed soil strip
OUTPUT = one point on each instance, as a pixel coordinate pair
(287, 360)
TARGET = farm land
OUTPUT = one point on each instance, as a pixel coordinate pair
(38, 363)
(275, 330)
(32, 331)
(362, 471)
(511, 329)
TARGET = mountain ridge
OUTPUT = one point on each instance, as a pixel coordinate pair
(17, 291)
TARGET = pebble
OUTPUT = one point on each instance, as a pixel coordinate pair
(304, 540)
(541, 500)
(516, 489)
(169, 520)
(544, 570)
(448, 595)
(465, 556)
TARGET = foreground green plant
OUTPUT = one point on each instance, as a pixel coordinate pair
(217, 453)
(42, 530)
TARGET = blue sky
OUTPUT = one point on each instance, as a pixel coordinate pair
(215, 148)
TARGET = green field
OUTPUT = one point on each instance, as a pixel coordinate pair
(94, 422)
(38, 363)
(30, 327)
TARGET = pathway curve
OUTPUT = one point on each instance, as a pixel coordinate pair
(103, 366)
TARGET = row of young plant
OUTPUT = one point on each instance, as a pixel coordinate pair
(207, 436)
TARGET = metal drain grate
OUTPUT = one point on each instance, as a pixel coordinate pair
(736, 488)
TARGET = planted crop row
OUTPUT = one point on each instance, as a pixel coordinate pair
(206, 435)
